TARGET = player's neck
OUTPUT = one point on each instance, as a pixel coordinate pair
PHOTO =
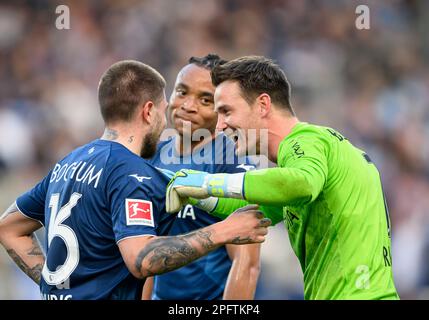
(126, 137)
(279, 128)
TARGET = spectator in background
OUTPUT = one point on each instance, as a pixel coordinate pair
(369, 82)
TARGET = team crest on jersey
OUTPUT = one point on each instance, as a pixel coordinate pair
(139, 212)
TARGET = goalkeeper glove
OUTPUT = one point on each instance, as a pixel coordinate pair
(200, 185)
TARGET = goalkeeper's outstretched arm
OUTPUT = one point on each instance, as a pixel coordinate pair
(275, 187)
(281, 186)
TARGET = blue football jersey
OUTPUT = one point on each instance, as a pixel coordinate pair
(205, 278)
(98, 195)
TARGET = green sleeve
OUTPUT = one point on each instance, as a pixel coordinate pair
(299, 178)
(226, 206)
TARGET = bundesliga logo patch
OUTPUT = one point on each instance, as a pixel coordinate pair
(139, 212)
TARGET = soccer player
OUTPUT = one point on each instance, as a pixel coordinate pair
(102, 204)
(333, 201)
(230, 272)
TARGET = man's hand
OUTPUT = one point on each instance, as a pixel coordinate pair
(149, 255)
(200, 185)
(245, 225)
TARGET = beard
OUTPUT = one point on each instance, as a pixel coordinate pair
(149, 146)
(150, 142)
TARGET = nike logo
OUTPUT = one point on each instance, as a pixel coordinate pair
(139, 178)
(245, 167)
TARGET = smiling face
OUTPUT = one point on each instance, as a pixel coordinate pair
(192, 101)
(236, 117)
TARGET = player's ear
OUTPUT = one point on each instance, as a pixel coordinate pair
(263, 102)
(147, 112)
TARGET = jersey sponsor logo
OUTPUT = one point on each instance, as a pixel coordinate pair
(245, 167)
(187, 211)
(139, 212)
(91, 150)
(139, 178)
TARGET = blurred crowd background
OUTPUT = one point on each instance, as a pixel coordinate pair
(372, 85)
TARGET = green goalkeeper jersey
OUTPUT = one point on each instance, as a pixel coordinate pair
(335, 213)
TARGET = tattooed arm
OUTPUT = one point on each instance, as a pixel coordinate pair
(150, 255)
(16, 235)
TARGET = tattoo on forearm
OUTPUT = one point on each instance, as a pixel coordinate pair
(36, 250)
(33, 272)
(239, 240)
(204, 239)
(169, 253)
(165, 255)
(110, 134)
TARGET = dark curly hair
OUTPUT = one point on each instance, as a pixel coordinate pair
(256, 75)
